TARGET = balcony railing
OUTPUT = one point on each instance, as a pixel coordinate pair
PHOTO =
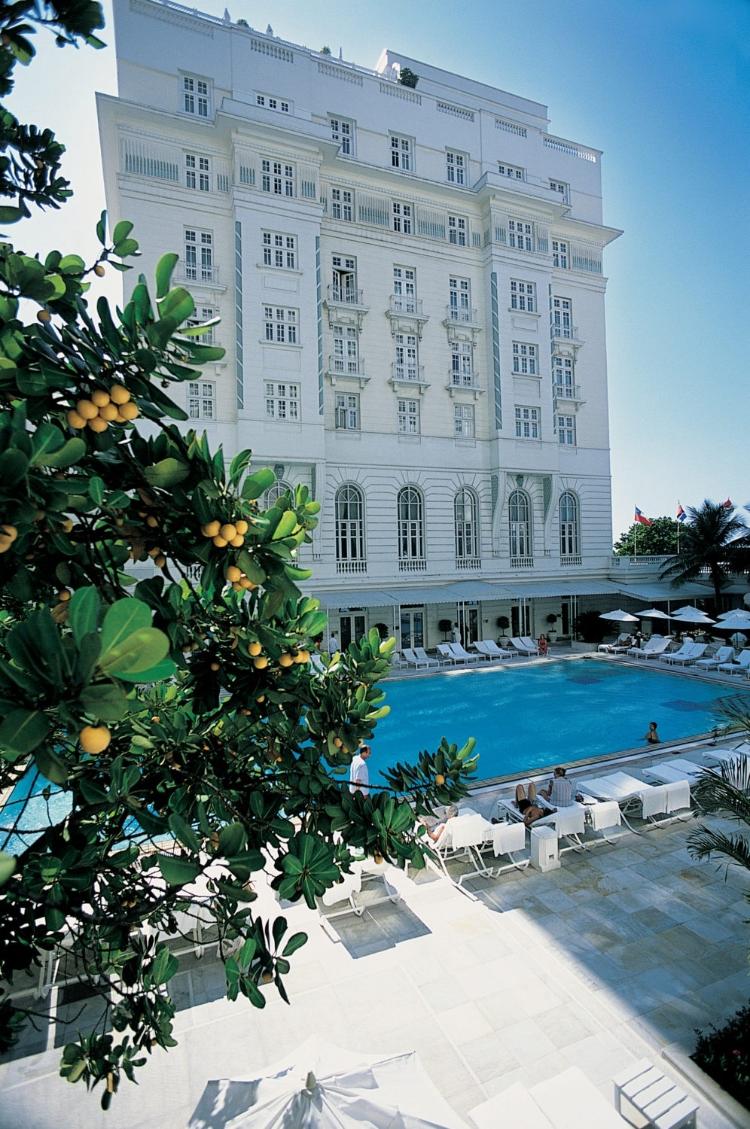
(198, 272)
(469, 380)
(468, 562)
(406, 304)
(345, 296)
(521, 562)
(564, 332)
(407, 374)
(570, 392)
(346, 366)
(645, 560)
(463, 315)
(570, 560)
(351, 566)
(412, 564)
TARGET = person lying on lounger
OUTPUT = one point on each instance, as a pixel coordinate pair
(527, 804)
(434, 825)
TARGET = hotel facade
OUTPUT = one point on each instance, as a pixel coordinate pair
(411, 288)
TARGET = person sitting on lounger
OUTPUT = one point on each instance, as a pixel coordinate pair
(560, 790)
(543, 645)
(527, 804)
(434, 826)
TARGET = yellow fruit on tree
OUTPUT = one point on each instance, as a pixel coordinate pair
(99, 270)
(247, 584)
(254, 648)
(119, 394)
(220, 542)
(100, 397)
(260, 663)
(237, 542)
(233, 574)
(43, 315)
(152, 522)
(9, 531)
(211, 529)
(228, 531)
(241, 526)
(302, 657)
(260, 700)
(109, 412)
(160, 561)
(75, 420)
(338, 742)
(286, 660)
(215, 666)
(68, 524)
(129, 410)
(94, 738)
(440, 780)
(86, 409)
(64, 595)
(98, 425)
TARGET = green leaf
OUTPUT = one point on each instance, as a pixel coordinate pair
(183, 832)
(258, 483)
(250, 567)
(164, 967)
(96, 489)
(177, 871)
(71, 264)
(122, 231)
(101, 228)
(178, 305)
(21, 732)
(50, 765)
(47, 438)
(13, 467)
(286, 525)
(296, 941)
(231, 839)
(157, 673)
(122, 619)
(106, 703)
(125, 248)
(9, 214)
(70, 452)
(164, 269)
(7, 867)
(166, 473)
(141, 650)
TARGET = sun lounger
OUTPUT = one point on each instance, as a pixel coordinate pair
(490, 649)
(723, 655)
(424, 657)
(529, 643)
(655, 1096)
(464, 836)
(457, 650)
(741, 666)
(413, 659)
(521, 647)
(652, 649)
(724, 756)
(693, 653)
(567, 1101)
(603, 816)
(445, 654)
(670, 771)
(620, 641)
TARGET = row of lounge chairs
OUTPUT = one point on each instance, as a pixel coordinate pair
(454, 653)
(689, 654)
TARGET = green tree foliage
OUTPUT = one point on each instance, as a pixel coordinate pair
(168, 742)
(657, 539)
(713, 542)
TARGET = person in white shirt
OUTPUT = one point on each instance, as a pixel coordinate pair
(359, 775)
(332, 644)
(560, 791)
(455, 634)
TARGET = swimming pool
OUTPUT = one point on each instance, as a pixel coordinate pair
(529, 716)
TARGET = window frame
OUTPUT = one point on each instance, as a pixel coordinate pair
(343, 134)
(466, 531)
(520, 525)
(283, 392)
(566, 430)
(523, 296)
(402, 217)
(201, 392)
(278, 178)
(521, 235)
(560, 253)
(202, 267)
(511, 172)
(196, 95)
(410, 524)
(531, 422)
(279, 245)
(464, 421)
(401, 148)
(456, 167)
(562, 187)
(349, 525)
(280, 325)
(458, 230)
(340, 205)
(525, 358)
(346, 407)
(569, 526)
(408, 416)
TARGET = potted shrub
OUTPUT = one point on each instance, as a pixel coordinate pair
(407, 77)
(551, 629)
(445, 626)
(503, 623)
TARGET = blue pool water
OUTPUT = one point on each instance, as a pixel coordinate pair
(526, 718)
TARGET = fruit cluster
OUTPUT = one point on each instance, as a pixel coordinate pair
(239, 581)
(103, 408)
(231, 535)
(286, 659)
(8, 534)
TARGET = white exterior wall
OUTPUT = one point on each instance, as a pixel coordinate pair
(157, 44)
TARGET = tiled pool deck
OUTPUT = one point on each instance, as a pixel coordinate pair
(623, 951)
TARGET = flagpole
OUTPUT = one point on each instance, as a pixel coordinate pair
(635, 540)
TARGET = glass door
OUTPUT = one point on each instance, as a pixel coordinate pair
(467, 618)
(352, 628)
(520, 620)
(412, 627)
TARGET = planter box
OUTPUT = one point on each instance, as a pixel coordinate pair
(735, 1113)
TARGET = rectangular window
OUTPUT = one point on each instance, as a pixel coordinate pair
(402, 217)
(345, 349)
(276, 177)
(560, 254)
(201, 315)
(513, 172)
(202, 398)
(457, 230)
(342, 134)
(347, 411)
(566, 430)
(342, 204)
(463, 421)
(455, 167)
(521, 235)
(408, 417)
(527, 423)
(562, 317)
(462, 364)
(522, 295)
(405, 289)
(562, 188)
(281, 325)
(401, 153)
(199, 254)
(197, 172)
(271, 102)
(563, 376)
(279, 250)
(525, 359)
(282, 400)
(406, 366)
(344, 269)
(195, 96)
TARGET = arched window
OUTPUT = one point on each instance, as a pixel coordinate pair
(273, 493)
(519, 522)
(570, 541)
(411, 552)
(466, 522)
(350, 529)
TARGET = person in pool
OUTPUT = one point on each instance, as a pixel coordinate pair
(652, 737)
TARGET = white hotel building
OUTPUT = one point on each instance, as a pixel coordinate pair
(411, 294)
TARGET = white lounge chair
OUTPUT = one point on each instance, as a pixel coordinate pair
(529, 643)
(496, 651)
(697, 651)
(463, 836)
(424, 657)
(568, 1101)
(741, 666)
(484, 649)
(445, 653)
(462, 655)
(654, 647)
(621, 639)
(724, 756)
(413, 659)
(506, 839)
(521, 647)
(723, 655)
(603, 816)
(669, 772)
(684, 652)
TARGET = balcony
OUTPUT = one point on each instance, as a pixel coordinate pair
(350, 567)
(412, 564)
(462, 315)
(521, 562)
(568, 393)
(199, 274)
(405, 314)
(347, 368)
(406, 304)
(468, 562)
(565, 334)
(570, 560)
(346, 296)
(463, 382)
(408, 374)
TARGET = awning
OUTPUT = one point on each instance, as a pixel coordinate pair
(567, 587)
(482, 590)
(653, 590)
(355, 598)
(425, 594)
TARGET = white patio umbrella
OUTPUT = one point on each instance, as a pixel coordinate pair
(690, 614)
(619, 616)
(321, 1086)
(652, 613)
(736, 620)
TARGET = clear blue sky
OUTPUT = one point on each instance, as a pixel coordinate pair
(663, 87)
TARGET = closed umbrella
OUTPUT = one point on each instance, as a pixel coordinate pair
(619, 616)
(321, 1086)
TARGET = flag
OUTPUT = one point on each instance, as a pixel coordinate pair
(641, 519)
(681, 515)
(728, 505)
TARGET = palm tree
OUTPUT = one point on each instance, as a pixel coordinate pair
(712, 539)
(726, 791)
